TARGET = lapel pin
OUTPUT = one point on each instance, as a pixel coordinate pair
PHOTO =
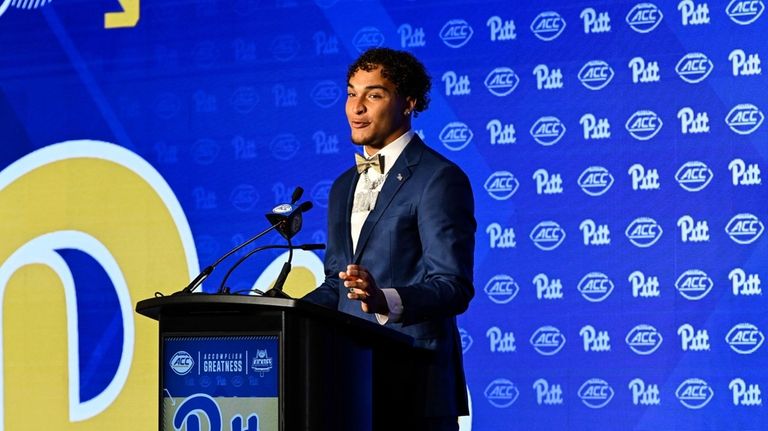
(399, 177)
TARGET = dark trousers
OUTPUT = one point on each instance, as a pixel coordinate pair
(420, 424)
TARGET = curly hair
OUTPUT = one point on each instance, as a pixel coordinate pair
(400, 68)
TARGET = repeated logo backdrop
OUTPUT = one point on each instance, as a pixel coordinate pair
(616, 150)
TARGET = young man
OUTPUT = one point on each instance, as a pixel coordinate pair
(401, 235)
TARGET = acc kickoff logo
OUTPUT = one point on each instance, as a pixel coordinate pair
(368, 37)
(182, 363)
(547, 235)
(596, 393)
(501, 289)
(595, 180)
(548, 130)
(501, 185)
(596, 74)
(595, 287)
(644, 125)
(694, 284)
(694, 67)
(456, 33)
(643, 232)
(744, 228)
(456, 135)
(644, 17)
(547, 340)
(745, 12)
(744, 338)
(694, 176)
(547, 26)
(501, 393)
(644, 339)
(694, 393)
(744, 118)
(501, 81)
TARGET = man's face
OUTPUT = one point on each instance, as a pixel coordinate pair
(374, 110)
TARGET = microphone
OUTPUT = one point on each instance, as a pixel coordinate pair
(287, 218)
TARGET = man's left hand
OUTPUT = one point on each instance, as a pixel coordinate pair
(362, 287)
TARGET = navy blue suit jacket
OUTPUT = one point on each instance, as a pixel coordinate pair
(419, 240)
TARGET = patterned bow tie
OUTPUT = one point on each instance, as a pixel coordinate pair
(363, 164)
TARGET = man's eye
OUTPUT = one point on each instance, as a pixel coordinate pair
(375, 96)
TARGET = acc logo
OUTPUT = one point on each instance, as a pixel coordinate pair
(548, 340)
(595, 180)
(694, 284)
(320, 193)
(644, 17)
(643, 232)
(368, 37)
(745, 12)
(744, 228)
(182, 363)
(596, 393)
(456, 135)
(325, 94)
(644, 125)
(694, 67)
(284, 146)
(595, 287)
(694, 176)
(644, 339)
(501, 289)
(547, 235)
(501, 393)
(694, 393)
(285, 47)
(205, 151)
(456, 33)
(744, 338)
(744, 118)
(466, 340)
(548, 130)
(501, 81)
(548, 26)
(596, 74)
(501, 185)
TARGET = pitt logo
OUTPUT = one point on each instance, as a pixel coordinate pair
(546, 183)
(595, 22)
(456, 135)
(546, 288)
(644, 17)
(594, 128)
(745, 395)
(501, 81)
(595, 393)
(325, 44)
(644, 179)
(325, 94)
(501, 393)
(411, 37)
(503, 342)
(693, 340)
(643, 125)
(644, 339)
(182, 363)
(595, 341)
(694, 393)
(204, 199)
(501, 289)
(694, 67)
(692, 13)
(694, 284)
(745, 12)
(368, 37)
(547, 79)
(547, 235)
(595, 74)
(456, 85)
(501, 237)
(744, 338)
(744, 65)
(548, 26)
(694, 176)
(548, 394)
(284, 96)
(744, 228)
(547, 340)
(644, 394)
(466, 340)
(456, 33)
(692, 122)
(595, 234)
(744, 284)
(692, 230)
(643, 72)
(595, 287)
(325, 143)
(744, 118)
(501, 185)
(595, 180)
(547, 130)
(644, 287)
(501, 133)
(501, 30)
(743, 174)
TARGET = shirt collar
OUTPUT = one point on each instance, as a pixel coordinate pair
(393, 150)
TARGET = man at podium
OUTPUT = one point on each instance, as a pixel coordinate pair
(401, 239)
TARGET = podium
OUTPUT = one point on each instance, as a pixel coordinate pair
(247, 363)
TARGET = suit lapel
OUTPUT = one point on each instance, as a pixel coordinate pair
(347, 215)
